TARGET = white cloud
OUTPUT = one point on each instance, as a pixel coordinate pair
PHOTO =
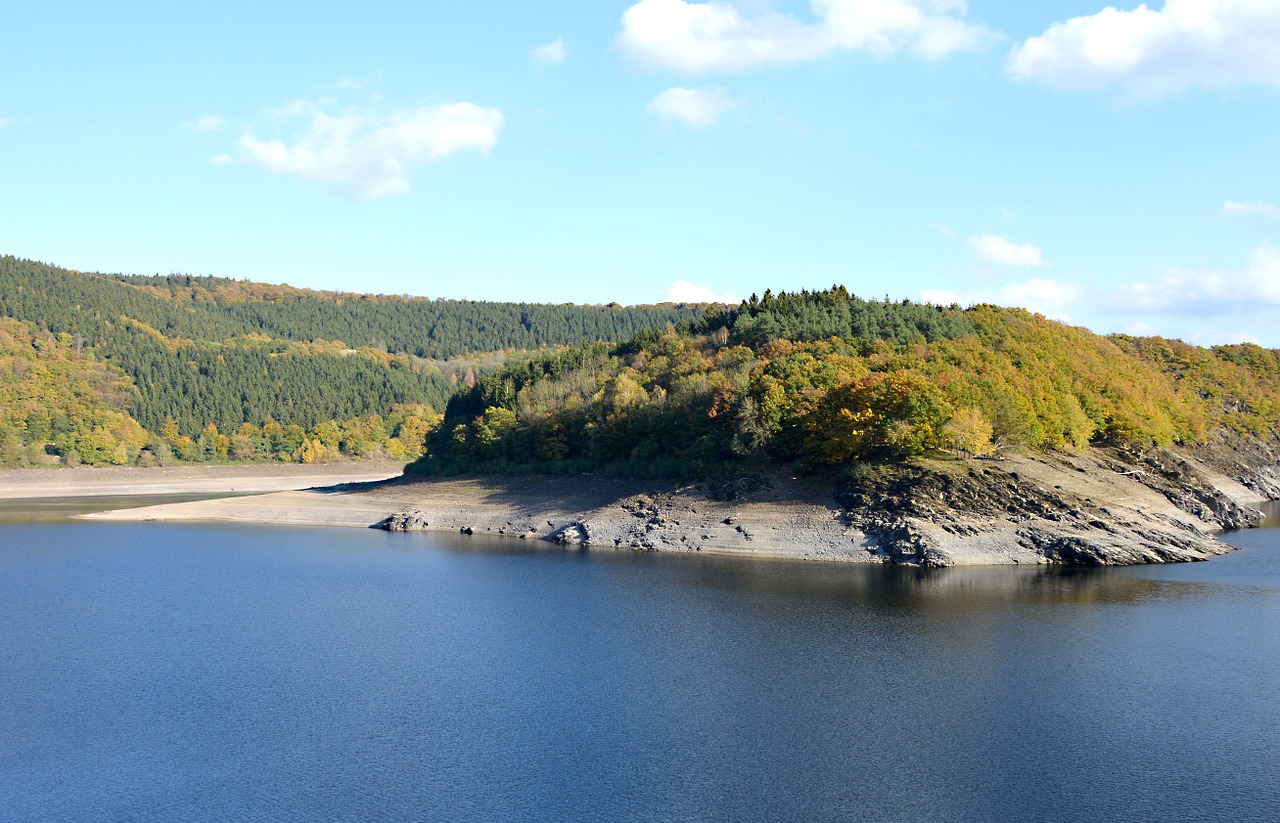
(693, 107)
(1231, 208)
(1048, 297)
(346, 83)
(4, 121)
(991, 248)
(682, 291)
(1210, 43)
(1141, 328)
(209, 122)
(1217, 337)
(367, 155)
(717, 36)
(221, 160)
(549, 54)
(1197, 336)
(944, 230)
(1201, 293)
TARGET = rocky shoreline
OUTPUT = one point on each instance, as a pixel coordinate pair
(1093, 508)
(1081, 510)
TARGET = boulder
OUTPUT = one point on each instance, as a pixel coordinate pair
(573, 534)
(405, 521)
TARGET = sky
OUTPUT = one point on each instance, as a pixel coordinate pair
(1108, 166)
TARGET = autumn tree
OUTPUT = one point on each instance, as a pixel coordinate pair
(968, 433)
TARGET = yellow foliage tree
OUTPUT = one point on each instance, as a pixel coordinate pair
(969, 433)
(312, 451)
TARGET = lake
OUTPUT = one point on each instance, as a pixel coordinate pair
(162, 672)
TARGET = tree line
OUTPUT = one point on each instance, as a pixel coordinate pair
(207, 357)
(823, 378)
(215, 309)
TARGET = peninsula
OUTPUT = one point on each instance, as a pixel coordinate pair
(813, 424)
(1072, 509)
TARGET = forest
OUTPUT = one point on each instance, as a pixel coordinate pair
(135, 370)
(825, 378)
(131, 370)
(183, 307)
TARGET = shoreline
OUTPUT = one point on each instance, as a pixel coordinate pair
(250, 478)
(1082, 509)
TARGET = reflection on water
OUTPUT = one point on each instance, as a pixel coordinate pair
(1271, 514)
(900, 589)
(208, 672)
(971, 589)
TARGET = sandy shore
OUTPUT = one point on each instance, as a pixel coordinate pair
(797, 519)
(1095, 506)
(31, 484)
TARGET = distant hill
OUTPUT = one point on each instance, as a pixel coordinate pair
(826, 378)
(210, 368)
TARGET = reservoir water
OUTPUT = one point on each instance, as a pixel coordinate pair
(157, 672)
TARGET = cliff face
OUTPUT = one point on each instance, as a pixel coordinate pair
(1091, 509)
(1253, 462)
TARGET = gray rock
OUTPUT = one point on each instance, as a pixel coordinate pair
(573, 534)
(406, 521)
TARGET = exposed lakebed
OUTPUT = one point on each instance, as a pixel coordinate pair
(209, 672)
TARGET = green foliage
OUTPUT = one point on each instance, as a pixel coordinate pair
(194, 358)
(491, 429)
(57, 400)
(1234, 386)
(119, 370)
(896, 380)
(898, 415)
(808, 316)
(214, 309)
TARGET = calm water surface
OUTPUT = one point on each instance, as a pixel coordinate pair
(161, 672)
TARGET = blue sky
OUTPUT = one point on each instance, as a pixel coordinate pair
(1113, 167)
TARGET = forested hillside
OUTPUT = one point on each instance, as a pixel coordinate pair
(826, 378)
(50, 392)
(212, 369)
(214, 309)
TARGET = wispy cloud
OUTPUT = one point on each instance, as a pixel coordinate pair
(222, 160)
(1052, 298)
(682, 291)
(693, 107)
(549, 54)
(1196, 334)
(368, 154)
(1232, 208)
(991, 248)
(697, 38)
(209, 122)
(1145, 52)
(1198, 292)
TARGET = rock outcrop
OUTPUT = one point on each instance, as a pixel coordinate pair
(1189, 489)
(932, 513)
(405, 521)
(1092, 508)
